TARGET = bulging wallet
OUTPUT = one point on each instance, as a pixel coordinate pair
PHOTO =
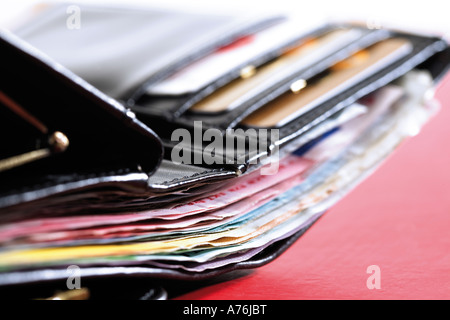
(176, 146)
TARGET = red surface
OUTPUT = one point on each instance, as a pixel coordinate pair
(398, 219)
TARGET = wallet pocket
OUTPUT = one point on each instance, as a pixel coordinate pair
(228, 98)
(323, 92)
(422, 54)
(176, 94)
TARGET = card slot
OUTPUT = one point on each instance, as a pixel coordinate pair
(277, 86)
(226, 38)
(248, 70)
(161, 102)
(425, 49)
(252, 79)
(424, 52)
(305, 96)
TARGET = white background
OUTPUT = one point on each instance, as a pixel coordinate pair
(416, 15)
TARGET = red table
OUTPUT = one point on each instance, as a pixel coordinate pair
(398, 219)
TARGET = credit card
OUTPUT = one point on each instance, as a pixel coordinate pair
(338, 78)
(253, 81)
(201, 73)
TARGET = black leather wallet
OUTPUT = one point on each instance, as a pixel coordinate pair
(85, 129)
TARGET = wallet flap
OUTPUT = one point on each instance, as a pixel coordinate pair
(99, 136)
